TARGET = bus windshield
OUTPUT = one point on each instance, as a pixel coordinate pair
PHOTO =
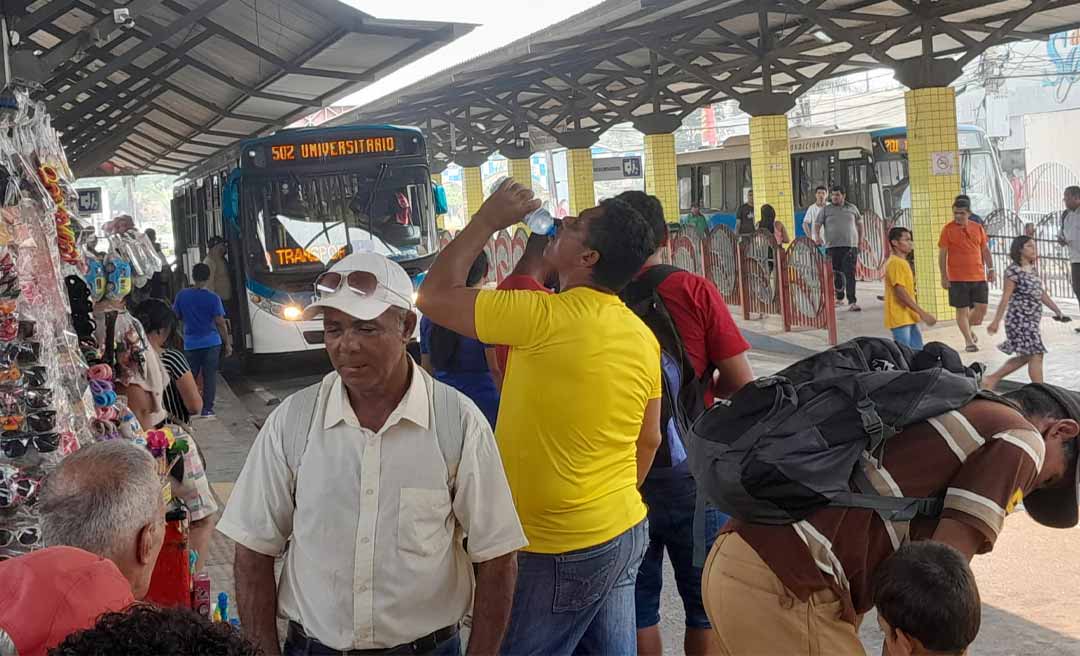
(978, 181)
(306, 223)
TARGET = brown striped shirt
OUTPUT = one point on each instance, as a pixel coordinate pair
(983, 459)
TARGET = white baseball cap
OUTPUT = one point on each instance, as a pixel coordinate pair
(392, 288)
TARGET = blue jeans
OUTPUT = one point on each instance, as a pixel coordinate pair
(671, 500)
(909, 336)
(206, 361)
(451, 647)
(579, 602)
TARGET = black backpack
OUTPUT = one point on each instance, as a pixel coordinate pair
(785, 446)
(683, 391)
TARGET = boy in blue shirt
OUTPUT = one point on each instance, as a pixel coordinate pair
(205, 332)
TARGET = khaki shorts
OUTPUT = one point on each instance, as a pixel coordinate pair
(753, 614)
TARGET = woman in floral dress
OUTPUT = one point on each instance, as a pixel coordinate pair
(1023, 298)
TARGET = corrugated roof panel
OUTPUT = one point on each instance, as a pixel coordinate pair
(237, 126)
(356, 53)
(303, 86)
(232, 60)
(281, 27)
(205, 85)
(271, 109)
(186, 107)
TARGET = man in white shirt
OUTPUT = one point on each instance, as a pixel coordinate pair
(1070, 234)
(396, 471)
(811, 222)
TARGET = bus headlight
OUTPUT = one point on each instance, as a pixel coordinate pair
(289, 312)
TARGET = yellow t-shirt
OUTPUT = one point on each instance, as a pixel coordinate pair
(581, 371)
(898, 272)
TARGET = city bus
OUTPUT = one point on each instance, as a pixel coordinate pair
(718, 179)
(981, 176)
(296, 202)
(871, 165)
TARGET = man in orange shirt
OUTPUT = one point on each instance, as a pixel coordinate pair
(966, 265)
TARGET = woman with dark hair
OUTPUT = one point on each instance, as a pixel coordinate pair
(462, 362)
(182, 398)
(1023, 298)
(771, 225)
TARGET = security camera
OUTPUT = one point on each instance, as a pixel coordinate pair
(122, 17)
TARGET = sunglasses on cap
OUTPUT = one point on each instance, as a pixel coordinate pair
(42, 421)
(361, 283)
(16, 490)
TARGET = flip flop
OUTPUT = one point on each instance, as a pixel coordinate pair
(971, 348)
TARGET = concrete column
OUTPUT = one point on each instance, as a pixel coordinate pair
(932, 151)
(473, 186)
(770, 164)
(661, 175)
(521, 171)
(580, 179)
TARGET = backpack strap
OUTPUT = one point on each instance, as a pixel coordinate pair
(301, 417)
(448, 427)
(655, 276)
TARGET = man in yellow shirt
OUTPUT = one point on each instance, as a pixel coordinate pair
(579, 421)
(902, 313)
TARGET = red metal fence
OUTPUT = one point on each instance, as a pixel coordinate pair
(754, 273)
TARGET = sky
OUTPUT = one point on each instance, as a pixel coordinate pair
(499, 22)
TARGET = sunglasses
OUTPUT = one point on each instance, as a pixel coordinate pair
(36, 376)
(20, 489)
(43, 421)
(15, 445)
(361, 283)
(38, 398)
(27, 537)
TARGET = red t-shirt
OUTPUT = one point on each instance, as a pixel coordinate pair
(518, 281)
(708, 333)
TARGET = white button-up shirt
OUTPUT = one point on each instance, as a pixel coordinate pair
(375, 555)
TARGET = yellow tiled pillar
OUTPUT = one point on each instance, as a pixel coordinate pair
(661, 177)
(934, 170)
(521, 171)
(440, 219)
(580, 178)
(770, 164)
(473, 186)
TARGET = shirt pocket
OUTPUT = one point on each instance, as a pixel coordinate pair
(422, 515)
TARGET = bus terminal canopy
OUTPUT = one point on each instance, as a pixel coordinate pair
(186, 78)
(652, 62)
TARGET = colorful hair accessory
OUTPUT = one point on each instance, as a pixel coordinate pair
(100, 372)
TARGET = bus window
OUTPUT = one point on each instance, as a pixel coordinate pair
(686, 188)
(713, 194)
(812, 171)
(857, 184)
(307, 223)
(977, 179)
(892, 174)
(745, 177)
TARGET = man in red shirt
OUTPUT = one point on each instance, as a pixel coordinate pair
(531, 273)
(715, 348)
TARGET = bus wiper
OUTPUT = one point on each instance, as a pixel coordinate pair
(383, 168)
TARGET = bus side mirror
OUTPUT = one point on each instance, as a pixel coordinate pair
(439, 194)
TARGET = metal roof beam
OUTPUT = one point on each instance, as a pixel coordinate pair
(160, 36)
(104, 29)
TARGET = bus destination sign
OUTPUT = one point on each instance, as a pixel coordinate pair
(321, 151)
(894, 144)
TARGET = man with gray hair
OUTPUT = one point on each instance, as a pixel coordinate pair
(107, 499)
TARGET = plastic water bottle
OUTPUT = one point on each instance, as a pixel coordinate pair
(539, 220)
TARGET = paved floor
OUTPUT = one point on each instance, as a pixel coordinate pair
(1028, 583)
